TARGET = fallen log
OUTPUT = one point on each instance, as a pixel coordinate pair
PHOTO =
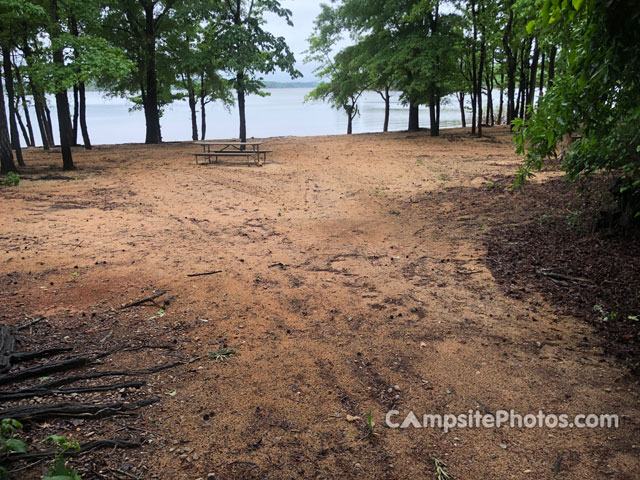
(43, 370)
(44, 392)
(84, 448)
(71, 410)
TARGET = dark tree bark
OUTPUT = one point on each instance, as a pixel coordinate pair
(511, 65)
(13, 128)
(533, 74)
(192, 106)
(483, 54)
(241, 106)
(83, 116)
(552, 66)
(23, 128)
(386, 96)
(30, 139)
(203, 113)
(501, 107)
(434, 126)
(6, 155)
(76, 114)
(48, 122)
(62, 102)
(476, 117)
(414, 117)
(460, 96)
(41, 117)
(151, 111)
(541, 88)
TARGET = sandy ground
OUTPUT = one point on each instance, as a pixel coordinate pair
(354, 281)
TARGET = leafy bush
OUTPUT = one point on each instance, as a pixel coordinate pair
(596, 101)
(11, 180)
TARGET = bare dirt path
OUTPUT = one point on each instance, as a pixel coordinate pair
(354, 280)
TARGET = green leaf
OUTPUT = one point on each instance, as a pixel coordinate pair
(577, 4)
(530, 26)
(15, 445)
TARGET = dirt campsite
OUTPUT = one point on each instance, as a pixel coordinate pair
(293, 306)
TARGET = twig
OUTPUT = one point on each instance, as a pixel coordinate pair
(142, 300)
(31, 323)
(214, 272)
(560, 276)
(84, 448)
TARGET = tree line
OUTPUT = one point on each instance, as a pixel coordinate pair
(150, 51)
(432, 51)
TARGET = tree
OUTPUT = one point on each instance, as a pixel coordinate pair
(250, 50)
(137, 27)
(6, 156)
(347, 82)
(596, 99)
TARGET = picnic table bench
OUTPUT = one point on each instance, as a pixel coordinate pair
(231, 149)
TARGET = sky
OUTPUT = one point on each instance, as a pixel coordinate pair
(304, 13)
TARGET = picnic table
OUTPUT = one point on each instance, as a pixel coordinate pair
(231, 149)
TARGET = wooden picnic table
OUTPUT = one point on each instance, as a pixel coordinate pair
(232, 149)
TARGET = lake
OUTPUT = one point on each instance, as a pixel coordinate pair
(282, 113)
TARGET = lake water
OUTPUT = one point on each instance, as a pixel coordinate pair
(282, 113)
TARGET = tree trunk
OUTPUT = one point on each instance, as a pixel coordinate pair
(434, 126)
(40, 116)
(463, 117)
(8, 79)
(83, 116)
(30, 139)
(62, 102)
(192, 107)
(76, 114)
(511, 66)
(387, 109)
(23, 129)
(552, 66)
(500, 108)
(203, 113)
(48, 122)
(475, 119)
(483, 54)
(151, 112)
(541, 76)
(533, 75)
(414, 117)
(6, 155)
(349, 123)
(241, 106)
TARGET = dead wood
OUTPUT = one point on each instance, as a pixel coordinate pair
(84, 448)
(43, 370)
(71, 410)
(214, 272)
(135, 303)
(45, 392)
(18, 357)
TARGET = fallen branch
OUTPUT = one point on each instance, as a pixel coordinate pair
(71, 410)
(84, 448)
(142, 300)
(45, 392)
(89, 376)
(214, 272)
(560, 276)
(43, 370)
(30, 324)
(32, 355)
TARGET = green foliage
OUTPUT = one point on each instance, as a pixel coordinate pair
(596, 100)
(222, 353)
(59, 469)
(8, 429)
(11, 180)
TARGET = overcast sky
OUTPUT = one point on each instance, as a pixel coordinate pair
(304, 13)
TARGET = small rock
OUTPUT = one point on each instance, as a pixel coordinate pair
(503, 446)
